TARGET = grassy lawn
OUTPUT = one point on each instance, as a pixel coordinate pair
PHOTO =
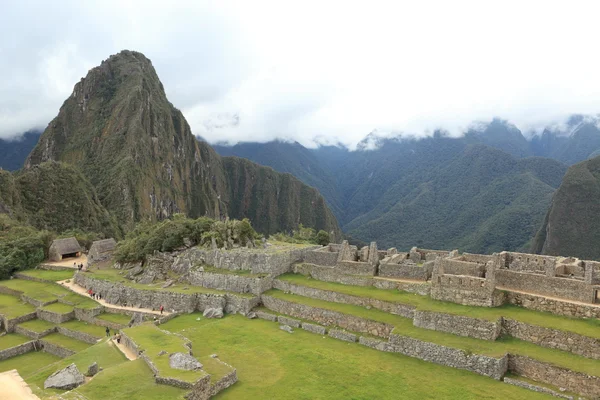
(404, 326)
(152, 340)
(81, 326)
(13, 307)
(27, 364)
(240, 272)
(130, 380)
(586, 327)
(12, 340)
(116, 318)
(37, 325)
(58, 308)
(51, 276)
(66, 342)
(272, 364)
(112, 275)
(48, 291)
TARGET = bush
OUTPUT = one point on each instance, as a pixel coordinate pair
(323, 238)
(21, 247)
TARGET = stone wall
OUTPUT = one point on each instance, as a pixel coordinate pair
(88, 314)
(566, 288)
(294, 323)
(224, 382)
(52, 267)
(11, 292)
(18, 350)
(536, 388)
(342, 335)
(323, 256)
(541, 303)
(26, 277)
(465, 290)
(404, 271)
(458, 325)
(458, 267)
(555, 339)
(314, 328)
(84, 337)
(355, 268)
(229, 282)
(327, 317)
(572, 381)
(266, 316)
(56, 350)
(32, 334)
(534, 263)
(331, 274)
(336, 297)
(35, 302)
(54, 317)
(9, 324)
(420, 288)
(476, 258)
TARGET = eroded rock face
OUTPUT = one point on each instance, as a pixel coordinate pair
(184, 361)
(65, 379)
(213, 313)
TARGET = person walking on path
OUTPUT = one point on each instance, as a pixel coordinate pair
(107, 332)
(161, 309)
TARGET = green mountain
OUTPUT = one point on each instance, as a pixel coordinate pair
(572, 224)
(13, 152)
(138, 153)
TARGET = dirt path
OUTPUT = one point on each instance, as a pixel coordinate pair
(68, 262)
(130, 354)
(83, 291)
(13, 387)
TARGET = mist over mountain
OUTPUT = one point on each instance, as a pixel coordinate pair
(14, 152)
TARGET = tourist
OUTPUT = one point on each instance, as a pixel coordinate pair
(118, 338)
(107, 332)
(161, 309)
(74, 264)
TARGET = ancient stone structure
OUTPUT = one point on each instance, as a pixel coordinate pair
(101, 250)
(60, 248)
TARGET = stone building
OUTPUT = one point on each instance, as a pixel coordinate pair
(101, 250)
(62, 248)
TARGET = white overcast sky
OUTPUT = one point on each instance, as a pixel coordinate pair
(332, 70)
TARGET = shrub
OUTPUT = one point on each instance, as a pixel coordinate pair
(323, 238)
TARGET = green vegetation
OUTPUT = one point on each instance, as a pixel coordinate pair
(37, 325)
(66, 342)
(27, 364)
(58, 308)
(404, 326)
(48, 292)
(303, 235)
(12, 340)
(114, 317)
(12, 307)
(21, 246)
(586, 327)
(272, 364)
(49, 275)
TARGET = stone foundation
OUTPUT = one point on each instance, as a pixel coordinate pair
(10, 324)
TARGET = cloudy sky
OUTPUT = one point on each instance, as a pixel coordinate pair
(324, 71)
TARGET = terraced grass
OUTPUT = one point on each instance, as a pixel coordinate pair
(46, 291)
(11, 340)
(127, 381)
(404, 326)
(12, 306)
(28, 363)
(272, 364)
(49, 275)
(116, 318)
(586, 327)
(66, 342)
(58, 308)
(37, 325)
(81, 326)
(152, 340)
(112, 275)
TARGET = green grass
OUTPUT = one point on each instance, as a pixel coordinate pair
(12, 306)
(49, 275)
(272, 364)
(58, 308)
(586, 327)
(404, 326)
(81, 326)
(112, 275)
(47, 291)
(240, 272)
(37, 325)
(66, 342)
(28, 363)
(116, 318)
(152, 340)
(12, 340)
(130, 380)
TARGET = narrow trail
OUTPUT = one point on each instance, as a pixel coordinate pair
(130, 354)
(83, 291)
(14, 387)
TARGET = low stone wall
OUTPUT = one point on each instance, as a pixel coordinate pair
(554, 339)
(355, 268)
(11, 292)
(421, 288)
(328, 317)
(576, 382)
(84, 337)
(331, 274)
(314, 328)
(9, 324)
(18, 350)
(564, 288)
(403, 271)
(54, 317)
(336, 297)
(541, 303)
(32, 334)
(266, 316)
(51, 267)
(294, 323)
(467, 290)
(536, 388)
(224, 382)
(229, 282)
(458, 325)
(35, 302)
(26, 277)
(56, 350)
(342, 335)
(458, 267)
(322, 256)
(88, 314)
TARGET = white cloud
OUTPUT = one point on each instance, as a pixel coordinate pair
(327, 70)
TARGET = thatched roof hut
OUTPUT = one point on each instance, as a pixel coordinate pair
(101, 250)
(60, 248)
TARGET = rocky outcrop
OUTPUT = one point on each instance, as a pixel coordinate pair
(65, 379)
(213, 313)
(184, 361)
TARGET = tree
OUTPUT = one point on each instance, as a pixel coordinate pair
(323, 238)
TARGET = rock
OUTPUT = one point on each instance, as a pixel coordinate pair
(251, 315)
(286, 328)
(162, 353)
(136, 319)
(93, 369)
(135, 271)
(187, 242)
(213, 243)
(214, 355)
(368, 307)
(213, 313)
(65, 379)
(184, 361)
(167, 283)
